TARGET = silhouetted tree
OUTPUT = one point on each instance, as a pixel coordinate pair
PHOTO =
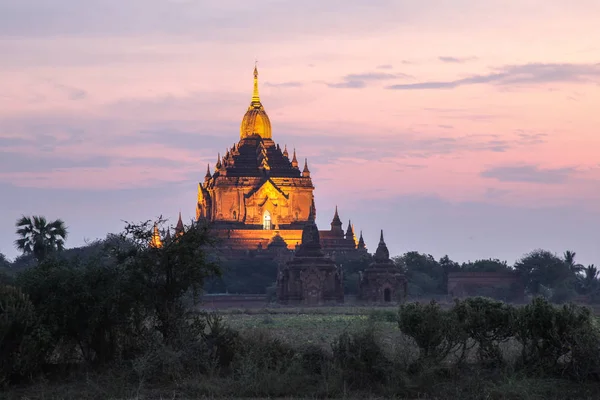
(487, 265)
(569, 258)
(590, 281)
(161, 276)
(38, 237)
(425, 275)
(541, 267)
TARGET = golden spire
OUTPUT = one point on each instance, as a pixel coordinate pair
(155, 241)
(255, 96)
(256, 120)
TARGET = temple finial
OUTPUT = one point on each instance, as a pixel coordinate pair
(382, 254)
(218, 164)
(179, 228)
(361, 242)
(294, 160)
(155, 241)
(207, 176)
(336, 222)
(305, 171)
(285, 152)
(255, 96)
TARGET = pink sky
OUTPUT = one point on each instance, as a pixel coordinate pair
(118, 107)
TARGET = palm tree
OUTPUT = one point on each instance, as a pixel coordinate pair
(569, 258)
(590, 280)
(38, 237)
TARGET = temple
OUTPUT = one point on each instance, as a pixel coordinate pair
(310, 278)
(383, 281)
(257, 198)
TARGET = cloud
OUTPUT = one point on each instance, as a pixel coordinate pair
(348, 85)
(226, 21)
(455, 60)
(535, 73)
(529, 174)
(284, 84)
(358, 81)
(385, 66)
(72, 92)
(375, 76)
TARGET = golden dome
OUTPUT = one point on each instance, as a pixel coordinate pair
(256, 121)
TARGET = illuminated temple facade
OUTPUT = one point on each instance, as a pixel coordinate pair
(260, 197)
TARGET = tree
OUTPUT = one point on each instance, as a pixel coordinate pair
(425, 275)
(541, 267)
(569, 259)
(40, 238)
(590, 282)
(489, 265)
(4, 263)
(5, 270)
(160, 276)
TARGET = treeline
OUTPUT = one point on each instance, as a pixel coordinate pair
(558, 278)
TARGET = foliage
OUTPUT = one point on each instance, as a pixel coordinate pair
(159, 277)
(435, 331)
(252, 275)
(488, 265)
(6, 272)
(39, 237)
(23, 342)
(561, 340)
(361, 359)
(425, 271)
(541, 267)
(83, 306)
(488, 323)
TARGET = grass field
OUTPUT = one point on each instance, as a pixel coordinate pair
(317, 326)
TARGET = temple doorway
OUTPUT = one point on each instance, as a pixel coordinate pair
(267, 221)
(387, 295)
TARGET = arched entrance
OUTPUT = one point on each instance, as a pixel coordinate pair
(267, 221)
(387, 295)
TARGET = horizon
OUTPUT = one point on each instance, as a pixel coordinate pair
(468, 130)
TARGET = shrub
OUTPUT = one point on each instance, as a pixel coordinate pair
(82, 305)
(435, 331)
(558, 339)
(383, 316)
(360, 358)
(23, 342)
(265, 366)
(222, 342)
(488, 323)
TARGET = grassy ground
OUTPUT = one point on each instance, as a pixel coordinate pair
(301, 326)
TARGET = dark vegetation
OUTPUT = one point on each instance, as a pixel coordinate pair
(116, 321)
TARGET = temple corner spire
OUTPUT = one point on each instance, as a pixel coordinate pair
(306, 171)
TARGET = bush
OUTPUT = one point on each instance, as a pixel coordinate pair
(561, 340)
(361, 359)
(488, 323)
(23, 342)
(82, 306)
(435, 331)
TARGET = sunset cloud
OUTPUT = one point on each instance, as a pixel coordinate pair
(455, 60)
(530, 174)
(536, 73)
